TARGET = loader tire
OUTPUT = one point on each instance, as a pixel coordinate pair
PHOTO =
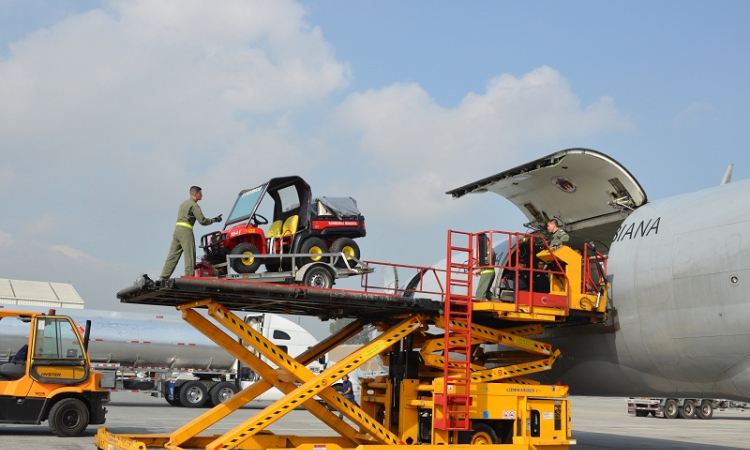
(69, 417)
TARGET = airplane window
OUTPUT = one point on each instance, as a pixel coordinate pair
(278, 334)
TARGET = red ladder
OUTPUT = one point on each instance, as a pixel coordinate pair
(455, 400)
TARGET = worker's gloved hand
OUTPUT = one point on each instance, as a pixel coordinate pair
(218, 218)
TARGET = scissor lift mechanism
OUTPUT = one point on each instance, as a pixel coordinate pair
(495, 403)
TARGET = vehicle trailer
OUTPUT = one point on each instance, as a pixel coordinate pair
(671, 408)
(50, 377)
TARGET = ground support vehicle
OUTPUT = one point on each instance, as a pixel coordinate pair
(50, 378)
(671, 408)
(444, 389)
(300, 224)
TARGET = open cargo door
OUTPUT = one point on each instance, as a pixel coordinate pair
(589, 192)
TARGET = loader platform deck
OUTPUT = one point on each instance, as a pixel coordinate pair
(243, 295)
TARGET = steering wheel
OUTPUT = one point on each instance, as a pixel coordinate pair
(259, 220)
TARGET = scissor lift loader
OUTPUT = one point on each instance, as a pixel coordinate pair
(442, 390)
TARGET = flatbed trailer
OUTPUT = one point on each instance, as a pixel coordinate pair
(442, 388)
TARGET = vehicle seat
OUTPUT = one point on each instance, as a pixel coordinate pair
(274, 233)
(11, 371)
(290, 226)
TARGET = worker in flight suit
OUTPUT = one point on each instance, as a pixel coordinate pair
(183, 240)
(559, 236)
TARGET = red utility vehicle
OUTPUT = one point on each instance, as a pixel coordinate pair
(300, 225)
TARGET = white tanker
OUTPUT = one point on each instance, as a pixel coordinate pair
(167, 356)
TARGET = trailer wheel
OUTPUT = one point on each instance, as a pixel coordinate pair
(69, 417)
(688, 410)
(318, 277)
(314, 247)
(248, 264)
(639, 413)
(348, 247)
(221, 392)
(482, 434)
(706, 410)
(671, 409)
(174, 402)
(193, 394)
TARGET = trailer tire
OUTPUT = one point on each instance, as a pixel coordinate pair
(174, 402)
(639, 413)
(193, 394)
(706, 410)
(221, 392)
(688, 410)
(348, 247)
(482, 434)
(249, 264)
(69, 417)
(671, 409)
(313, 246)
(318, 277)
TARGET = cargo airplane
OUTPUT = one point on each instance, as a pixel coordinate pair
(679, 271)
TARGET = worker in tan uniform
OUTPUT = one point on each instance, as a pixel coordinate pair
(183, 239)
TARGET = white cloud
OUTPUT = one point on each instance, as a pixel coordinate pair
(72, 253)
(422, 149)
(695, 112)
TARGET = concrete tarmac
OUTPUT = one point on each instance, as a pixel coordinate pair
(598, 423)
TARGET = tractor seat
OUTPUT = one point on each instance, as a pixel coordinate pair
(274, 231)
(290, 226)
(12, 371)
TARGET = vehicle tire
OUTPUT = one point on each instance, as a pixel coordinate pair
(641, 413)
(653, 413)
(706, 410)
(193, 394)
(318, 277)
(249, 264)
(348, 247)
(273, 264)
(221, 392)
(688, 410)
(69, 417)
(174, 402)
(482, 434)
(671, 409)
(313, 246)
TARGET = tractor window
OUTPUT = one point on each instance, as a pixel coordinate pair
(289, 198)
(55, 338)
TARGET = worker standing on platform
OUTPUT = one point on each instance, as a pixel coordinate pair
(559, 236)
(183, 239)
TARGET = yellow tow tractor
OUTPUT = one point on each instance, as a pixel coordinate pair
(49, 377)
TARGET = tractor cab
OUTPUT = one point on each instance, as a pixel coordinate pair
(298, 225)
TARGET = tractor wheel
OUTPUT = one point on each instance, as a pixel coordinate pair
(314, 247)
(318, 277)
(348, 247)
(69, 417)
(248, 264)
(221, 392)
(193, 394)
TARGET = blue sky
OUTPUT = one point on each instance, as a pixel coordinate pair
(109, 111)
